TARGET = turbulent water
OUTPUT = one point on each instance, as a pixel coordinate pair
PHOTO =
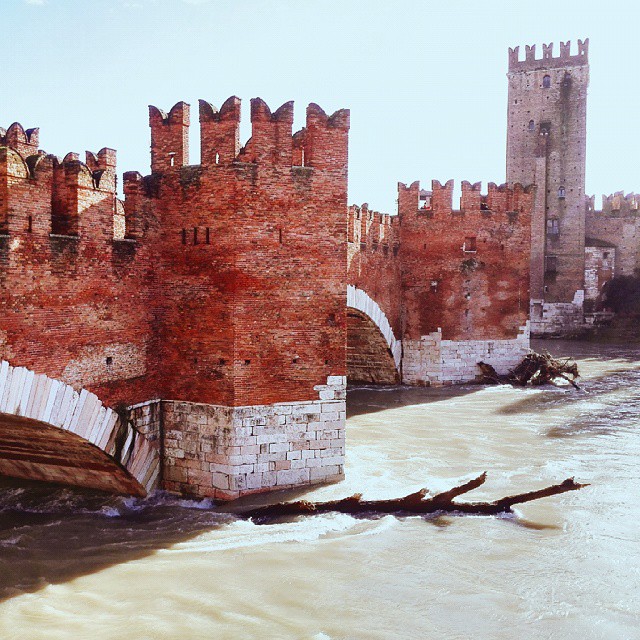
(79, 565)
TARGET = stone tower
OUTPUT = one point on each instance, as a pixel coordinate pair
(546, 144)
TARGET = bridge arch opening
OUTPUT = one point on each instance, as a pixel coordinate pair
(51, 432)
(373, 352)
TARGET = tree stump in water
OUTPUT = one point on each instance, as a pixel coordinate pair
(535, 369)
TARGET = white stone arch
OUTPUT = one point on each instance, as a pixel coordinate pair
(38, 397)
(360, 300)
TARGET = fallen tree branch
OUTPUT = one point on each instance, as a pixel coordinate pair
(413, 504)
(535, 369)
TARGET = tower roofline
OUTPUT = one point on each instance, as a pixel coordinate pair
(548, 60)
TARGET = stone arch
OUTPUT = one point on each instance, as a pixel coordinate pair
(361, 301)
(47, 424)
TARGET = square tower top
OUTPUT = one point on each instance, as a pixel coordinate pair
(548, 61)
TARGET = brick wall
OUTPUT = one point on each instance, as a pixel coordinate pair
(453, 284)
(546, 146)
(226, 286)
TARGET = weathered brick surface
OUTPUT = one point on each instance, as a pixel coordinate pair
(226, 286)
(617, 224)
(452, 288)
(369, 358)
(546, 145)
(74, 302)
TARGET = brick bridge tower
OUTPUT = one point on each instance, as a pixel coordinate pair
(546, 144)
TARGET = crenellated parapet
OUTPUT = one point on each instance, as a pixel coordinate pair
(618, 204)
(499, 199)
(41, 193)
(371, 230)
(321, 144)
(24, 141)
(169, 137)
(219, 132)
(548, 60)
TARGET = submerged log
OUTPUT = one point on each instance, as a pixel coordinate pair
(412, 504)
(535, 369)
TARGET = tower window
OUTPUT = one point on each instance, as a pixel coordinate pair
(561, 192)
(546, 82)
(553, 227)
(532, 125)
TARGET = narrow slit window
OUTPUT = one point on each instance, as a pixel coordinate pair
(207, 236)
(470, 244)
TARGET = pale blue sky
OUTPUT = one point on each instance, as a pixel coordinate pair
(425, 81)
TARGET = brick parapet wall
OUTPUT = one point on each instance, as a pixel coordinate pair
(75, 301)
(548, 60)
(465, 271)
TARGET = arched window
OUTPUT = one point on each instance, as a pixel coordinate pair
(546, 82)
(532, 125)
(561, 192)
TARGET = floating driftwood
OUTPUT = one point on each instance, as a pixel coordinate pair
(413, 504)
(535, 369)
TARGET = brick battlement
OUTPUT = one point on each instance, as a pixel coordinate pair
(224, 289)
(272, 141)
(616, 204)
(40, 193)
(372, 229)
(548, 61)
(499, 199)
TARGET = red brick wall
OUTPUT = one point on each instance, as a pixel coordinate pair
(471, 293)
(373, 261)
(69, 303)
(230, 287)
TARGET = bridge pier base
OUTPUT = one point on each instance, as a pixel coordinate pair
(432, 361)
(225, 452)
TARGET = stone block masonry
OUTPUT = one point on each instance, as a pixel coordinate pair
(225, 452)
(432, 361)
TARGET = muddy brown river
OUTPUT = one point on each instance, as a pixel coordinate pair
(82, 566)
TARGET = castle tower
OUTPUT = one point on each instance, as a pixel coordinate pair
(546, 144)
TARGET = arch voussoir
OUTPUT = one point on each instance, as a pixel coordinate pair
(51, 402)
(361, 301)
